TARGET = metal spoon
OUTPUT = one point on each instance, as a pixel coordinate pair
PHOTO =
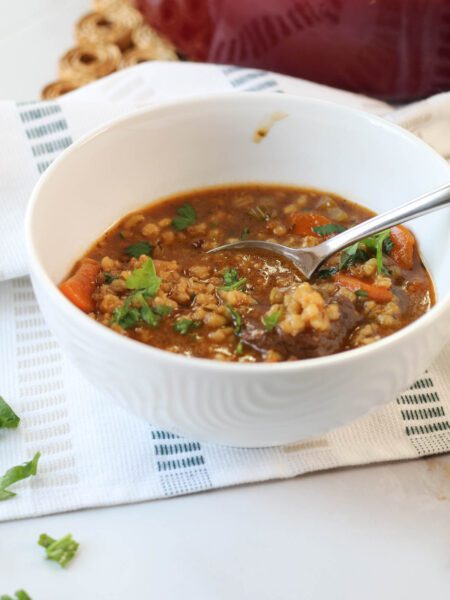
(308, 259)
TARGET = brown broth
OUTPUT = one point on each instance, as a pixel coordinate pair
(317, 319)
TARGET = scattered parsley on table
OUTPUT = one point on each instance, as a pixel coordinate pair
(61, 551)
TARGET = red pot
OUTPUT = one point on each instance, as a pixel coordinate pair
(393, 49)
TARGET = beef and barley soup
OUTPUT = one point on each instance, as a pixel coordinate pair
(150, 278)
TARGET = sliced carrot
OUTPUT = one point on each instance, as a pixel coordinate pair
(403, 250)
(80, 286)
(305, 222)
(374, 292)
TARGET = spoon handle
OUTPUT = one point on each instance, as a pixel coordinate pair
(416, 208)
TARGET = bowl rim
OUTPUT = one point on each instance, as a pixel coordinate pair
(91, 326)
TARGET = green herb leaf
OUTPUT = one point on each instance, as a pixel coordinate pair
(245, 233)
(186, 216)
(184, 326)
(379, 244)
(109, 278)
(352, 255)
(376, 243)
(149, 317)
(230, 276)
(328, 229)
(136, 309)
(19, 595)
(236, 318)
(261, 213)
(137, 250)
(239, 351)
(144, 279)
(162, 310)
(152, 316)
(271, 321)
(327, 272)
(62, 551)
(126, 316)
(8, 417)
(16, 474)
(361, 293)
(232, 281)
(379, 249)
(237, 285)
(388, 245)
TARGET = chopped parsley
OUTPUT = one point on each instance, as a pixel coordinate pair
(230, 276)
(16, 474)
(61, 551)
(186, 216)
(232, 281)
(144, 279)
(380, 244)
(19, 595)
(184, 326)
(361, 293)
(8, 417)
(109, 277)
(239, 350)
(138, 249)
(162, 310)
(352, 255)
(236, 318)
(126, 316)
(145, 283)
(329, 229)
(388, 245)
(271, 321)
(245, 233)
(148, 316)
(152, 316)
(261, 213)
(129, 316)
(376, 243)
(327, 272)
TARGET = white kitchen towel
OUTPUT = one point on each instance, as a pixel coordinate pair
(95, 453)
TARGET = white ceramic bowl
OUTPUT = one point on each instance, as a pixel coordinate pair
(208, 141)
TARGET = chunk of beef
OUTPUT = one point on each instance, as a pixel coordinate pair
(307, 344)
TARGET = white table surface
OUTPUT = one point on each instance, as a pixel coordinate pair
(364, 534)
